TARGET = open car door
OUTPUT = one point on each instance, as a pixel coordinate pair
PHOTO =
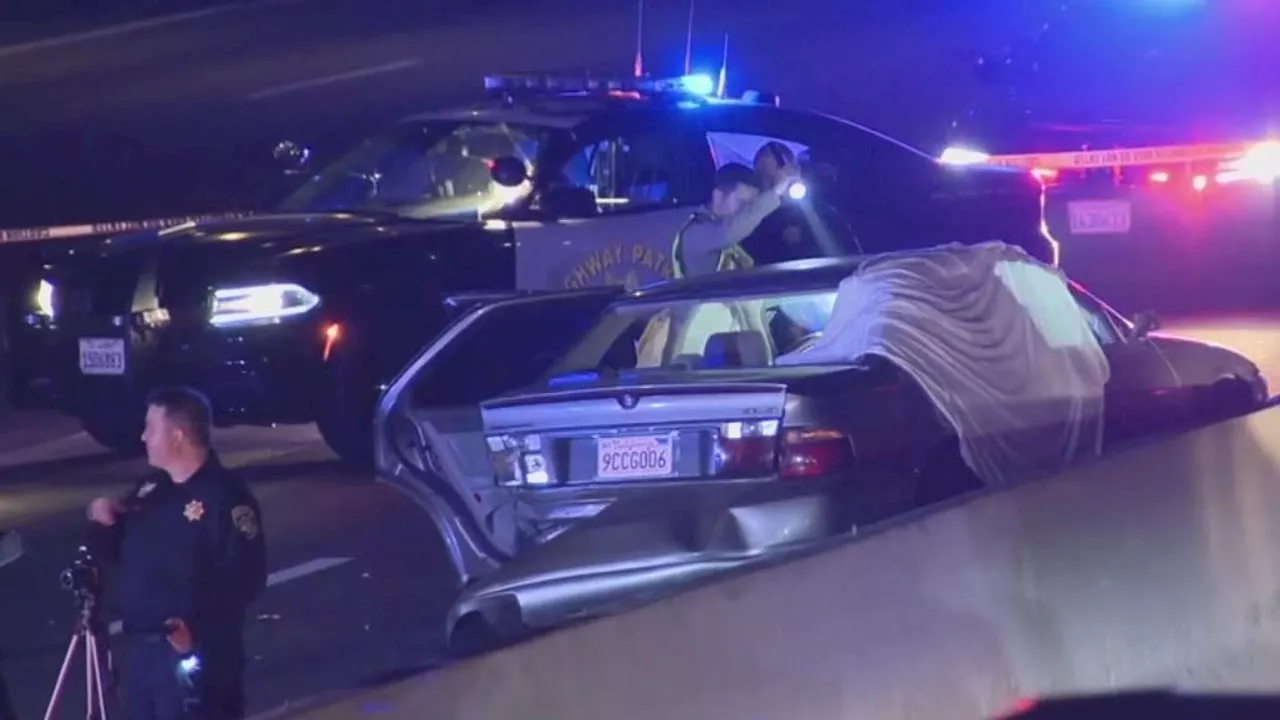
(429, 435)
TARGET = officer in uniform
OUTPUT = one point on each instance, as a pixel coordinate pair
(190, 556)
(710, 240)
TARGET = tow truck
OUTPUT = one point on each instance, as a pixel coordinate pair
(1154, 125)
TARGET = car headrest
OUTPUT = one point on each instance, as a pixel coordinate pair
(747, 348)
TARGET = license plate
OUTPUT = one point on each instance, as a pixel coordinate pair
(641, 456)
(1100, 217)
(102, 356)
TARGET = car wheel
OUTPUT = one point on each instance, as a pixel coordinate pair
(944, 475)
(1228, 398)
(349, 434)
(473, 635)
(121, 436)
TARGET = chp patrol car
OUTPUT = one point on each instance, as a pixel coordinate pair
(552, 183)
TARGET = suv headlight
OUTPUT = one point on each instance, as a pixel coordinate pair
(42, 299)
(257, 304)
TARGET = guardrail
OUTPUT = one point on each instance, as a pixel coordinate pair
(86, 230)
(1157, 567)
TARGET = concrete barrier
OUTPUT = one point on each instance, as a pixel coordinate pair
(1160, 566)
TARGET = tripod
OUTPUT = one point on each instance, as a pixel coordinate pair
(89, 630)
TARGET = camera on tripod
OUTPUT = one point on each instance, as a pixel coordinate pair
(82, 575)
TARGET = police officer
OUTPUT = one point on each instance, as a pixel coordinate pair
(710, 240)
(190, 554)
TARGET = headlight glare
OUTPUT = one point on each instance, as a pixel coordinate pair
(257, 304)
(43, 299)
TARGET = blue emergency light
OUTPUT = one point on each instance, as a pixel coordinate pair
(688, 85)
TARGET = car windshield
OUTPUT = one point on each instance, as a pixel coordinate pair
(721, 333)
(422, 170)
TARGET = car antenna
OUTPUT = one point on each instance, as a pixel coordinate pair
(638, 67)
(724, 68)
(688, 42)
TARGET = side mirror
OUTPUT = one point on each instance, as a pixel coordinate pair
(508, 171)
(292, 157)
(569, 201)
(1144, 323)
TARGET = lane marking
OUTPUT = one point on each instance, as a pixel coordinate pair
(332, 79)
(309, 567)
(136, 25)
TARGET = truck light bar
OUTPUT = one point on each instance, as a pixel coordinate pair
(692, 85)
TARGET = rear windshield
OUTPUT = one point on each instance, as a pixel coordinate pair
(701, 334)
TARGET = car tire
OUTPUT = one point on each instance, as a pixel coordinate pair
(349, 434)
(473, 635)
(1228, 398)
(944, 475)
(119, 435)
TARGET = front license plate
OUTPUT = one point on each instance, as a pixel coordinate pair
(641, 456)
(102, 356)
(1100, 217)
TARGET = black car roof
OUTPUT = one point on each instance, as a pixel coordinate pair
(582, 112)
(796, 276)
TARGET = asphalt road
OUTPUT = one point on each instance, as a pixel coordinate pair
(181, 116)
(356, 574)
(361, 590)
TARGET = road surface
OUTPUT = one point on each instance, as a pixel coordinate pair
(180, 116)
(358, 576)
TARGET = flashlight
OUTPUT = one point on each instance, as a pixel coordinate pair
(189, 670)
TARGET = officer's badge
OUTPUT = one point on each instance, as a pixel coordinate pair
(146, 489)
(246, 520)
(193, 511)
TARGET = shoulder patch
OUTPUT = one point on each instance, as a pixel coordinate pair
(245, 520)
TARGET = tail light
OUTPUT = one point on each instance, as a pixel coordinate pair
(757, 449)
(814, 453)
(746, 449)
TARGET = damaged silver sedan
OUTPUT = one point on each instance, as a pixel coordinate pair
(582, 452)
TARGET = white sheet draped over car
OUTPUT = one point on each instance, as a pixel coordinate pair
(996, 340)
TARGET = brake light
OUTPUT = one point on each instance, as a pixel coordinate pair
(746, 449)
(755, 449)
(1199, 182)
(1160, 177)
(814, 453)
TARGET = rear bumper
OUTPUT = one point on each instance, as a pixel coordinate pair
(636, 552)
(252, 376)
(1201, 249)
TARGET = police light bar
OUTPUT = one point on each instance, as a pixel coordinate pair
(695, 85)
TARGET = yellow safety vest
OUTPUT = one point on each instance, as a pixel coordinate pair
(731, 258)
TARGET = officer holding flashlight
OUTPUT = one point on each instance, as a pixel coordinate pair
(190, 556)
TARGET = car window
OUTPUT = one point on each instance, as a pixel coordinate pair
(729, 147)
(421, 170)
(701, 334)
(1105, 322)
(638, 171)
(506, 348)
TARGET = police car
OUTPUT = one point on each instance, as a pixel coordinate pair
(551, 183)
